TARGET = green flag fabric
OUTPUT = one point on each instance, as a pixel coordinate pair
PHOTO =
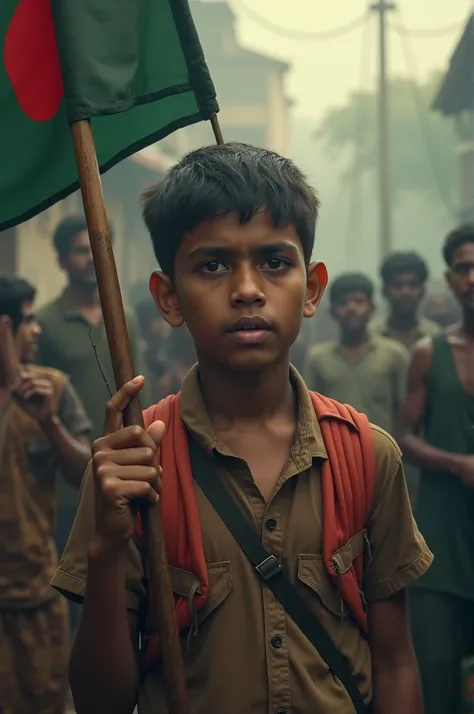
(134, 67)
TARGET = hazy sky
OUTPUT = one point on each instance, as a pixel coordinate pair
(325, 72)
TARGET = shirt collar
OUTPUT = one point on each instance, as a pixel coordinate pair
(308, 441)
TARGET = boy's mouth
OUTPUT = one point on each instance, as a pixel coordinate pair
(250, 330)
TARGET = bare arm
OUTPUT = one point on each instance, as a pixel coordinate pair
(396, 681)
(73, 453)
(103, 668)
(416, 449)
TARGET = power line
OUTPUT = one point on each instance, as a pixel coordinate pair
(433, 32)
(437, 170)
(288, 33)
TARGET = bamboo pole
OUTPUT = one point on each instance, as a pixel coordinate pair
(162, 607)
(9, 366)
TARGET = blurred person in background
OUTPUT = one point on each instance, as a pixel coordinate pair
(437, 434)
(182, 356)
(43, 434)
(441, 307)
(70, 326)
(157, 338)
(404, 276)
(363, 370)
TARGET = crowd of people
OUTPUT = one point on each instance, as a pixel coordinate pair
(234, 287)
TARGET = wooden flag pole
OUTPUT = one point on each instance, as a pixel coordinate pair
(162, 607)
(216, 128)
(9, 367)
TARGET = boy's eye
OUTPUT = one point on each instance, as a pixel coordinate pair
(276, 263)
(212, 266)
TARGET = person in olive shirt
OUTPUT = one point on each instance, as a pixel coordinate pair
(73, 340)
(404, 276)
(440, 399)
(363, 370)
(43, 439)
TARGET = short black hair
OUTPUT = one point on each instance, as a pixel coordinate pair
(403, 262)
(218, 180)
(14, 292)
(455, 239)
(66, 231)
(350, 283)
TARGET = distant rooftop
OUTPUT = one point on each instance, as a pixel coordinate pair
(215, 23)
(456, 94)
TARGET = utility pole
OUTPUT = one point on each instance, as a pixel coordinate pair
(383, 7)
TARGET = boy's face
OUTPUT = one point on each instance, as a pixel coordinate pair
(460, 275)
(241, 289)
(404, 293)
(26, 335)
(353, 311)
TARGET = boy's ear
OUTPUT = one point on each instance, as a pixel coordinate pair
(315, 286)
(166, 300)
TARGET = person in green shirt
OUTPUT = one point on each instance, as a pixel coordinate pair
(440, 401)
(73, 340)
(404, 276)
(363, 370)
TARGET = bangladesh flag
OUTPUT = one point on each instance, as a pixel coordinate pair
(134, 67)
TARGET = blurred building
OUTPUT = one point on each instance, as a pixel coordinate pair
(27, 250)
(254, 107)
(456, 99)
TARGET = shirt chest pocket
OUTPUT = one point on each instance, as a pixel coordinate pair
(186, 584)
(313, 574)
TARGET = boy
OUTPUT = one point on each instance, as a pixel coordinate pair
(404, 277)
(365, 371)
(440, 400)
(233, 230)
(43, 429)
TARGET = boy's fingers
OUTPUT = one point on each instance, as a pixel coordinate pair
(116, 405)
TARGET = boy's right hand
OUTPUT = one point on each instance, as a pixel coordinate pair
(125, 469)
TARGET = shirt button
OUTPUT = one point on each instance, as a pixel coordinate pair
(277, 641)
(271, 524)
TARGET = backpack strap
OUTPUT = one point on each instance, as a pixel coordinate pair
(348, 481)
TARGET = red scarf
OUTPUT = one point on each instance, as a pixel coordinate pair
(347, 482)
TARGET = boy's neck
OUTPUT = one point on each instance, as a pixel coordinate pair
(83, 298)
(259, 396)
(354, 340)
(403, 322)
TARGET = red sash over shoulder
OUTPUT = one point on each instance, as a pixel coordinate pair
(347, 478)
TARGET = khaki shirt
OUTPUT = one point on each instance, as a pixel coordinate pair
(28, 471)
(247, 655)
(71, 344)
(424, 328)
(373, 382)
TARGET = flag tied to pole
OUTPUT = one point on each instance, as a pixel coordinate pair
(134, 67)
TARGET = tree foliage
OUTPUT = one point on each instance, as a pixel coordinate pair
(422, 142)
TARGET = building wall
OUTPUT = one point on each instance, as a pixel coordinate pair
(35, 257)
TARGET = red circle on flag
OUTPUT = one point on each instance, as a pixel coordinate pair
(32, 61)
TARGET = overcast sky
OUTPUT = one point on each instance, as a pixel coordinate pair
(324, 73)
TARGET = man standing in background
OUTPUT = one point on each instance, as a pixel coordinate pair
(43, 434)
(73, 340)
(363, 370)
(404, 276)
(437, 434)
